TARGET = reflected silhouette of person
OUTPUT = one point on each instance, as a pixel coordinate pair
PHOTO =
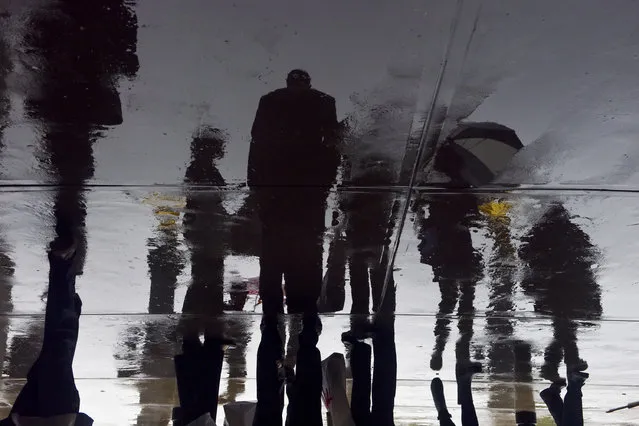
(205, 224)
(369, 224)
(446, 245)
(293, 162)
(303, 386)
(560, 275)
(199, 367)
(50, 395)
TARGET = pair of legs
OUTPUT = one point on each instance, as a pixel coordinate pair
(452, 292)
(569, 411)
(198, 371)
(464, 377)
(50, 389)
(373, 398)
(562, 347)
(292, 247)
(304, 390)
(369, 266)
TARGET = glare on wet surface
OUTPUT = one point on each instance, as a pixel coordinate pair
(135, 118)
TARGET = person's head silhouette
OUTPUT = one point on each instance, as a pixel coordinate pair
(298, 79)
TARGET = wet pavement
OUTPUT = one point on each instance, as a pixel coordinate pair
(133, 120)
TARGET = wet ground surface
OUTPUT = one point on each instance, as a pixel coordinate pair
(134, 118)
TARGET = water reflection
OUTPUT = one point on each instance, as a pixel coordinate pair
(295, 154)
(74, 99)
(560, 277)
(446, 245)
(293, 162)
(7, 265)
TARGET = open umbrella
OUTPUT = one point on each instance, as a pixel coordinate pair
(483, 150)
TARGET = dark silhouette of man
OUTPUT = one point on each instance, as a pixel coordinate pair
(293, 162)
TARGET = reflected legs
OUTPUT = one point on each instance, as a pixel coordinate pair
(50, 389)
(449, 295)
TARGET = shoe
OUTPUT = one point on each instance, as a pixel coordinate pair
(577, 378)
(437, 391)
(553, 389)
(580, 365)
(436, 362)
(551, 374)
(352, 336)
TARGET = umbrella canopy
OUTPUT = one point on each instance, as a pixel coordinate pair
(483, 149)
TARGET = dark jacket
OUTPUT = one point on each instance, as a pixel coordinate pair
(294, 139)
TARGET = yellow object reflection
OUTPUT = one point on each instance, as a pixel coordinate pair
(496, 209)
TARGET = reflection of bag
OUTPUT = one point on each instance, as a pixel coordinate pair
(428, 243)
(334, 390)
(246, 229)
(239, 413)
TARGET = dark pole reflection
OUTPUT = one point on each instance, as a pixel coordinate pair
(7, 266)
(560, 276)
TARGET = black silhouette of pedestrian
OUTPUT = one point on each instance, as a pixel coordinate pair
(446, 245)
(293, 161)
(369, 224)
(560, 276)
(205, 225)
(50, 395)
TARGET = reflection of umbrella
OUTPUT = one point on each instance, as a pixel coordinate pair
(484, 150)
